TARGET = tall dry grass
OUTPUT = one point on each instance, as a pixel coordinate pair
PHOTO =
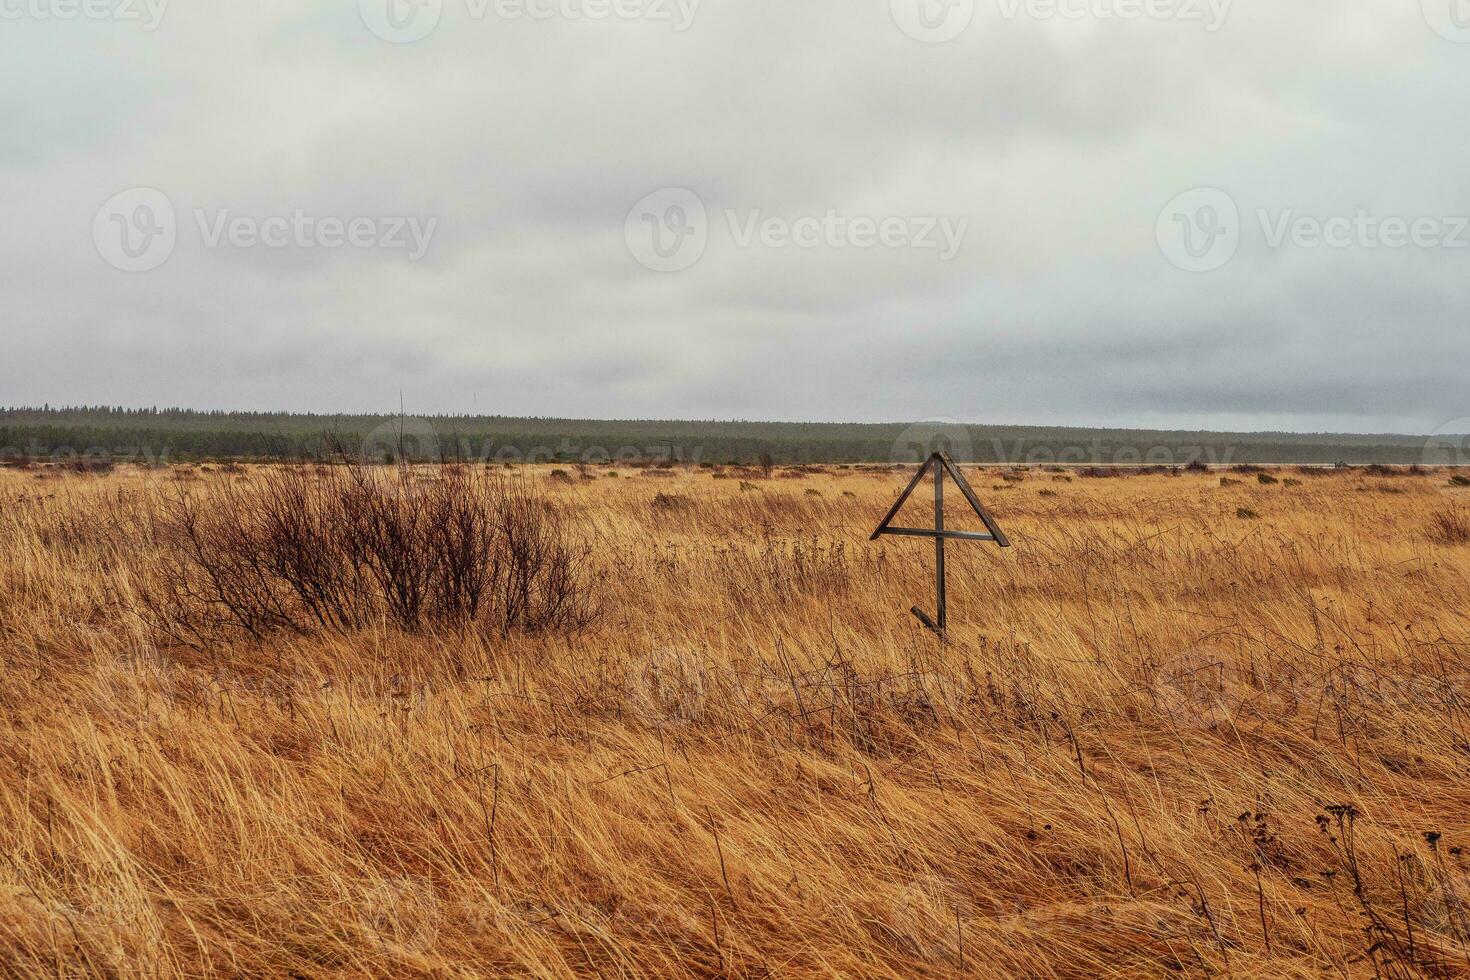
(1161, 740)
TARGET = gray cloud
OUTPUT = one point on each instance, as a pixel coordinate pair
(529, 141)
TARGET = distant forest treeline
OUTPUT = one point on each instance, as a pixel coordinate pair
(173, 435)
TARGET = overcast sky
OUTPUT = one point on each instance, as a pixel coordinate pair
(871, 210)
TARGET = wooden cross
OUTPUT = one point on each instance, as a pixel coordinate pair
(941, 464)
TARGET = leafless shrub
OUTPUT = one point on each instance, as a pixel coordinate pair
(302, 553)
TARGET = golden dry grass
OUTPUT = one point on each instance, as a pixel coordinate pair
(1164, 738)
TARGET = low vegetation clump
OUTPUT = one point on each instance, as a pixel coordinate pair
(345, 548)
(670, 502)
(1451, 526)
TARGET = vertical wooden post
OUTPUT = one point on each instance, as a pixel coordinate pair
(939, 544)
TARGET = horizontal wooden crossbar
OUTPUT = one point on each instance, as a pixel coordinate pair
(914, 532)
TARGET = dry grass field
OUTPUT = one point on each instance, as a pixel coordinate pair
(1181, 728)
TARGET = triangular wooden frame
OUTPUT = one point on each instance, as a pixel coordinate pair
(941, 464)
(942, 460)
